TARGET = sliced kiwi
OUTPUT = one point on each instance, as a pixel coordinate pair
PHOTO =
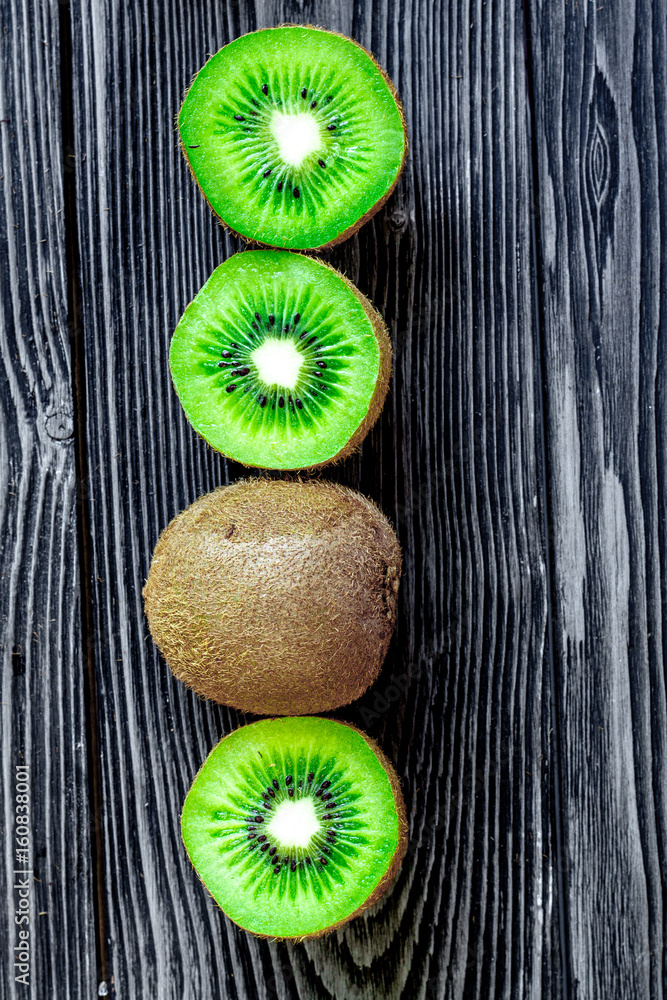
(295, 135)
(276, 597)
(295, 826)
(280, 362)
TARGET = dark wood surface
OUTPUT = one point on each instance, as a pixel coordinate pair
(598, 74)
(43, 711)
(519, 267)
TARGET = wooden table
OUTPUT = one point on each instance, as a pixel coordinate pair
(522, 455)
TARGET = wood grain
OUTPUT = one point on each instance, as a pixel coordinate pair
(600, 104)
(42, 712)
(463, 705)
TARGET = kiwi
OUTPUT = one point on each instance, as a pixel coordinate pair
(295, 136)
(295, 826)
(276, 597)
(280, 362)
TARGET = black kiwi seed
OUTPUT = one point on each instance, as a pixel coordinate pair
(226, 354)
(321, 364)
(255, 327)
(261, 839)
(293, 866)
(311, 776)
(322, 163)
(221, 364)
(243, 371)
(233, 345)
(304, 93)
(259, 819)
(326, 850)
(296, 192)
(251, 836)
(262, 402)
(299, 404)
(276, 784)
(297, 317)
(272, 851)
(331, 127)
(302, 335)
(265, 88)
(230, 388)
(193, 147)
(239, 118)
(281, 401)
(266, 172)
(288, 779)
(290, 792)
(315, 372)
(325, 785)
(279, 186)
(313, 104)
(324, 861)
(265, 847)
(272, 319)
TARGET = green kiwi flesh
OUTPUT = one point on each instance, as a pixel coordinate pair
(295, 136)
(276, 597)
(280, 362)
(295, 826)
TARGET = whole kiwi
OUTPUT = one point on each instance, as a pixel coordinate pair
(275, 596)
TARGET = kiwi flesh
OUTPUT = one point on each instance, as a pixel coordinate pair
(280, 362)
(295, 136)
(295, 826)
(276, 597)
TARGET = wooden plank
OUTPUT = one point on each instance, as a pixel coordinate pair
(600, 105)
(42, 712)
(463, 705)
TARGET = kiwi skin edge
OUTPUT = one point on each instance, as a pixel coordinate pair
(389, 876)
(355, 227)
(376, 402)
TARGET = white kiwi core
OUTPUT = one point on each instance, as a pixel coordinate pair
(294, 824)
(278, 362)
(297, 136)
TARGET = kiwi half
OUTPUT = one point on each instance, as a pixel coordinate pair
(295, 826)
(280, 362)
(295, 136)
(276, 597)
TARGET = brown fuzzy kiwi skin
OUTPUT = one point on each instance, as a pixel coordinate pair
(355, 227)
(377, 400)
(276, 597)
(387, 880)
